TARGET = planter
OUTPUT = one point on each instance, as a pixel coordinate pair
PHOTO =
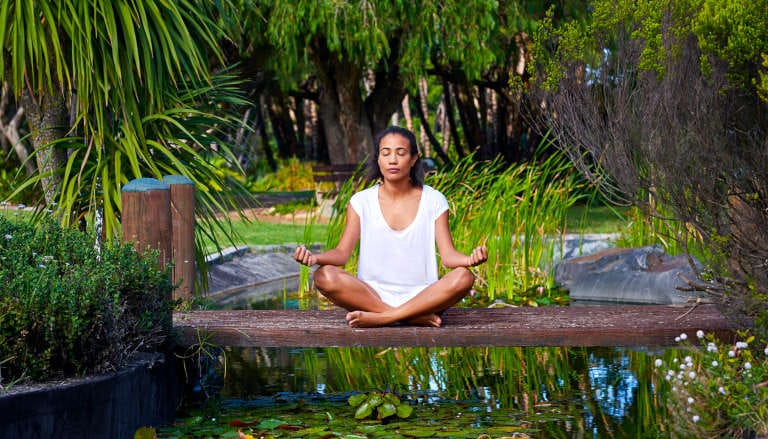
(111, 405)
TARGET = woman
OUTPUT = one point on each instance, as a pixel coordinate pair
(398, 222)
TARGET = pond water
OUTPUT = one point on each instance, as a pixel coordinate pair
(477, 392)
(454, 392)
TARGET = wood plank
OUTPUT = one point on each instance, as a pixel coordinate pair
(642, 325)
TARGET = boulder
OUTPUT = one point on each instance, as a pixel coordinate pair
(644, 275)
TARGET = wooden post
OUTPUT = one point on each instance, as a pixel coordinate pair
(183, 234)
(146, 217)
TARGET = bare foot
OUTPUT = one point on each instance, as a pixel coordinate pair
(367, 319)
(432, 320)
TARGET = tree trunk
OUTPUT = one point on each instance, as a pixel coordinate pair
(278, 109)
(349, 119)
(10, 130)
(347, 128)
(48, 120)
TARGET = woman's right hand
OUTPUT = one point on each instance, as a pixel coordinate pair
(303, 256)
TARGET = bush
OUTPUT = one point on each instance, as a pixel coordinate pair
(717, 389)
(67, 308)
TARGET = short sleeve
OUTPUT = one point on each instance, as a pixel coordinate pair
(356, 201)
(438, 202)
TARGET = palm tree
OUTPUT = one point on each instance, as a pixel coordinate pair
(115, 90)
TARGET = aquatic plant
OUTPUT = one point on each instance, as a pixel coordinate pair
(384, 405)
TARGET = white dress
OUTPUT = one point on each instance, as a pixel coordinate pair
(398, 264)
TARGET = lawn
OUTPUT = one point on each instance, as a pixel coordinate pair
(273, 230)
(288, 229)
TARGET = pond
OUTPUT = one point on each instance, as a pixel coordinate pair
(477, 392)
(454, 392)
(462, 392)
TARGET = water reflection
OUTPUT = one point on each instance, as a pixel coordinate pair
(563, 392)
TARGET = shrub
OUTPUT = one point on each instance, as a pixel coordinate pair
(717, 389)
(68, 308)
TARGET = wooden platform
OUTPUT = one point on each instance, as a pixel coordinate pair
(644, 325)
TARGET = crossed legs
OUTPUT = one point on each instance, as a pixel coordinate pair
(366, 309)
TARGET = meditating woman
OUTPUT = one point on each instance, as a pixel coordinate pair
(398, 221)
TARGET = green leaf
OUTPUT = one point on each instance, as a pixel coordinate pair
(375, 399)
(392, 398)
(386, 409)
(363, 411)
(404, 410)
(145, 433)
(357, 399)
(270, 424)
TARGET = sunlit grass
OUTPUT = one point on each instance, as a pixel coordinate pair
(265, 232)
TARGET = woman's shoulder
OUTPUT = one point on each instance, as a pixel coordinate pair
(432, 192)
(435, 197)
(365, 194)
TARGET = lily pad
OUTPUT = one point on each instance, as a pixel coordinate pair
(387, 409)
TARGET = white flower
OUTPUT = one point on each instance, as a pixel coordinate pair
(766, 349)
(731, 354)
(41, 266)
(695, 418)
(688, 360)
(677, 339)
(9, 237)
(690, 400)
(658, 362)
(722, 390)
(711, 347)
(692, 374)
(715, 363)
(683, 336)
(700, 333)
(741, 345)
(747, 365)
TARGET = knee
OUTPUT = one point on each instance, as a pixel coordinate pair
(464, 278)
(326, 277)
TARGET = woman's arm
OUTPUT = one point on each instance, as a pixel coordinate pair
(341, 253)
(451, 257)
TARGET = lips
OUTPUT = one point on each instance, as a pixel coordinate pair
(393, 170)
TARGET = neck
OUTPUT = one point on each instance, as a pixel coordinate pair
(396, 189)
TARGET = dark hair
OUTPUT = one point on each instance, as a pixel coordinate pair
(417, 171)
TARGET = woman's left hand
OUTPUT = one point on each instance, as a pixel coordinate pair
(478, 256)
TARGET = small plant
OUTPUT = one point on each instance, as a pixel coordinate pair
(717, 389)
(69, 309)
(383, 404)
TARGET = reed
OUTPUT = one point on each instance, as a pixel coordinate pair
(519, 213)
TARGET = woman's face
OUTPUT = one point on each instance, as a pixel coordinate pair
(395, 160)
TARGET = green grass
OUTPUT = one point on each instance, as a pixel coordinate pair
(595, 219)
(253, 233)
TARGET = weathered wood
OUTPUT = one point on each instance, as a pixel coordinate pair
(182, 209)
(146, 216)
(643, 325)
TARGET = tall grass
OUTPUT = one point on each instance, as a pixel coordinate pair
(517, 211)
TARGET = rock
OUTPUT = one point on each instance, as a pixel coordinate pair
(644, 275)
